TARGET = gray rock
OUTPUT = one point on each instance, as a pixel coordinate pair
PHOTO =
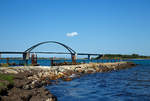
(26, 87)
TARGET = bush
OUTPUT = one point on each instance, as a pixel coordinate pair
(4, 65)
(6, 77)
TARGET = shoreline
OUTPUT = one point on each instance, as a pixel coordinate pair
(29, 81)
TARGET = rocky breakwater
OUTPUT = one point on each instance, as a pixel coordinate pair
(29, 81)
(21, 87)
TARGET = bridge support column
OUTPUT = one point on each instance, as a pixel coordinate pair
(52, 62)
(34, 59)
(89, 57)
(26, 57)
(73, 57)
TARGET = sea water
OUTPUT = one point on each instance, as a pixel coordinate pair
(47, 62)
(131, 84)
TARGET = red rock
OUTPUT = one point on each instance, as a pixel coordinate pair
(90, 71)
(67, 79)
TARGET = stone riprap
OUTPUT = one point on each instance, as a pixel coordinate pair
(29, 80)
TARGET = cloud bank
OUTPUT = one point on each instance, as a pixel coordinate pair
(72, 34)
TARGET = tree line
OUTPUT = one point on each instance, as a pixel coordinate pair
(120, 56)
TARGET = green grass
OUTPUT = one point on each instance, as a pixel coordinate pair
(5, 77)
(5, 81)
(2, 84)
(4, 64)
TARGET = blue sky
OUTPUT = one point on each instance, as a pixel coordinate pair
(101, 26)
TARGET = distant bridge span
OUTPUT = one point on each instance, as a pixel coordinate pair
(11, 52)
(26, 53)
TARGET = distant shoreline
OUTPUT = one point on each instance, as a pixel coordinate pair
(120, 56)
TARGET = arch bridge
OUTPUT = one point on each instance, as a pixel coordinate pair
(27, 52)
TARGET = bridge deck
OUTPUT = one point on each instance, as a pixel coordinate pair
(11, 52)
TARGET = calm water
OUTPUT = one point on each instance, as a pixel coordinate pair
(47, 62)
(125, 85)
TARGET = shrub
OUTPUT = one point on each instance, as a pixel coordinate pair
(4, 65)
(6, 77)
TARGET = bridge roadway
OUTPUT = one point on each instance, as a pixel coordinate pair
(12, 52)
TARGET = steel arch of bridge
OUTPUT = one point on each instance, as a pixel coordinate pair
(65, 46)
(26, 53)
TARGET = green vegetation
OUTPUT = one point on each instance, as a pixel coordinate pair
(120, 56)
(4, 64)
(6, 79)
(2, 84)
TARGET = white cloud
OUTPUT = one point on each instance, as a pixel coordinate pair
(72, 34)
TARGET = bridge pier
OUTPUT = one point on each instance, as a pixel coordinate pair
(52, 61)
(73, 57)
(89, 57)
(26, 57)
(34, 59)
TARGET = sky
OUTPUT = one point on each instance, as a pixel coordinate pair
(87, 26)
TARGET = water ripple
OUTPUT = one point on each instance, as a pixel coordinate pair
(125, 85)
